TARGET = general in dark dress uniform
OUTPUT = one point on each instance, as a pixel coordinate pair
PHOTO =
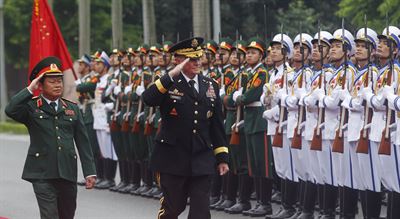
(192, 139)
(54, 124)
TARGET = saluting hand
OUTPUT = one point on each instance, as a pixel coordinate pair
(90, 181)
(178, 68)
(223, 168)
(35, 83)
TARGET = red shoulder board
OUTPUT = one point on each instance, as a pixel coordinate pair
(39, 102)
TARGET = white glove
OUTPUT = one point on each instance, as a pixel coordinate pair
(139, 90)
(237, 93)
(346, 102)
(117, 90)
(318, 93)
(366, 92)
(140, 115)
(113, 83)
(283, 124)
(222, 91)
(128, 89)
(387, 90)
(299, 92)
(268, 115)
(77, 82)
(278, 95)
(343, 94)
(109, 106)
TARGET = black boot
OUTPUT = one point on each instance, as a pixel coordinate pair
(394, 203)
(122, 174)
(372, 202)
(264, 207)
(310, 196)
(101, 172)
(243, 204)
(321, 195)
(300, 200)
(257, 187)
(330, 199)
(111, 169)
(231, 191)
(350, 201)
(216, 187)
(128, 173)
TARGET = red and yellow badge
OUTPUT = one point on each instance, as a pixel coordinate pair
(69, 112)
(257, 82)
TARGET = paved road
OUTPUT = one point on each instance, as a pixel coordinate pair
(17, 200)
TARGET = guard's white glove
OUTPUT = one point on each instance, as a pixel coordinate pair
(139, 90)
(283, 124)
(366, 93)
(128, 89)
(268, 115)
(387, 90)
(346, 102)
(237, 93)
(151, 119)
(222, 91)
(117, 90)
(318, 93)
(345, 126)
(109, 106)
(78, 82)
(299, 92)
(343, 93)
(140, 115)
(113, 83)
(279, 94)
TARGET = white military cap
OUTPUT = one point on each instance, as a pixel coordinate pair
(348, 39)
(371, 37)
(325, 37)
(287, 43)
(305, 38)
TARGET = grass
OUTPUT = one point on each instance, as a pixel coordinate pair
(13, 128)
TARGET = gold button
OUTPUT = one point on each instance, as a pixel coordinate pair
(195, 121)
(162, 140)
(195, 112)
(75, 157)
(37, 154)
(41, 117)
(59, 148)
(70, 119)
(56, 117)
(212, 105)
(196, 103)
(57, 127)
(174, 101)
(194, 131)
(58, 137)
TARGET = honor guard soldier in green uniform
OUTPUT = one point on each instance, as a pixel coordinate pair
(239, 175)
(208, 59)
(165, 58)
(258, 145)
(192, 136)
(54, 125)
(119, 133)
(86, 86)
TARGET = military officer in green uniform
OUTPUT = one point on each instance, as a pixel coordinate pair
(258, 145)
(54, 124)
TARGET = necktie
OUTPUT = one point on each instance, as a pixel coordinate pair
(53, 105)
(191, 83)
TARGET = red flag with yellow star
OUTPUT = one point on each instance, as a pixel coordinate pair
(47, 40)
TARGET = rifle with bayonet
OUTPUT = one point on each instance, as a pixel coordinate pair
(384, 146)
(125, 127)
(316, 142)
(338, 143)
(362, 146)
(113, 124)
(148, 124)
(136, 124)
(235, 137)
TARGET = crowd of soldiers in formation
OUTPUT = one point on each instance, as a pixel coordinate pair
(312, 123)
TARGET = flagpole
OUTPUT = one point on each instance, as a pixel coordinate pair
(3, 84)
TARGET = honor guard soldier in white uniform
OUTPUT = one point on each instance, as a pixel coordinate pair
(299, 85)
(321, 71)
(386, 166)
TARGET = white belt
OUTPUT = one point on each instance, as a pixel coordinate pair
(254, 104)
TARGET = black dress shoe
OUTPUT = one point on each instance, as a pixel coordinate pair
(149, 192)
(296, 215)
(306, 215)
(145, 190)
(276, 197)
(253, 196)
(224, 205)
(107, 184)
(120, 185)
(99, 182)
(248, 212)
(81, 183)
(158, 196)
(155, 192)
(285, 213)
(136, 191)
(238, 208)
(261, 211)
(220, 201)
(213, 200)
(127, 188)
